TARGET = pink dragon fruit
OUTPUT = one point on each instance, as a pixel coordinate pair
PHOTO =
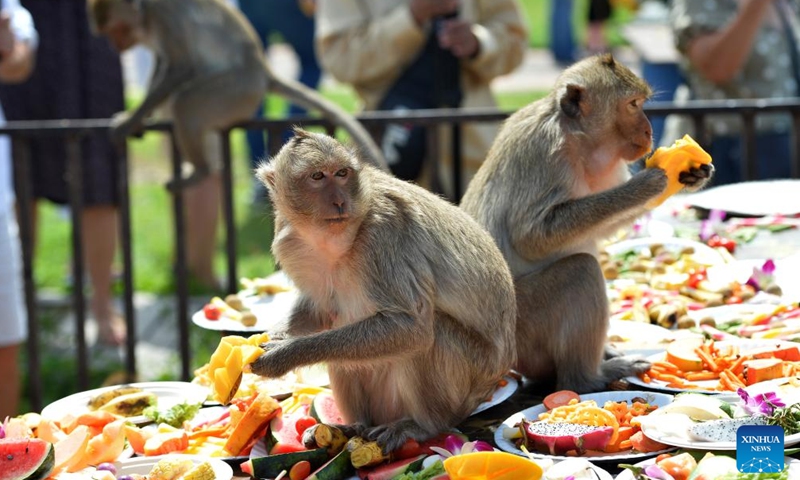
(560, 438)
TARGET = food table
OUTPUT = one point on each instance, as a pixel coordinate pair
(509, 401)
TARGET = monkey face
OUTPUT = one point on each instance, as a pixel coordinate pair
(634, 128)
(330, 195)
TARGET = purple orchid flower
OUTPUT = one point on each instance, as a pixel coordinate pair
(762, 277)
(708, 227)
(762, 403)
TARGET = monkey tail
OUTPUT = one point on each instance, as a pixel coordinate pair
(311, 99)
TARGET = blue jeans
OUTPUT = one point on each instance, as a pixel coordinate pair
(773, 156)
(285, 18)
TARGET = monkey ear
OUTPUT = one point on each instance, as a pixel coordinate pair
(573, 100)
(266, 173)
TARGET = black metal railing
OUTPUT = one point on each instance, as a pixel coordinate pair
(72, 131)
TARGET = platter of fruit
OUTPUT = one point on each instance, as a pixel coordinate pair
(257, 306)
(600, 426)
(127, 400)
(173, 467)
(709, 366)
(709, 465)
(708, 422)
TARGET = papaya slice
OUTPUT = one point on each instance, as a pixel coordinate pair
(679, 157)
(491, 466)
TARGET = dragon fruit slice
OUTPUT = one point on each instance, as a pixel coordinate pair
(560, 438)
(723, 430)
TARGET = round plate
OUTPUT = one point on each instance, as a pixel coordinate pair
(659, 399)
(727, 313)
(706, 386)
(669, 439)
(168, 393)
(500, 395)
(775, 197)
(143, 465)
(268, 309)
(793, 464)
(702, 252)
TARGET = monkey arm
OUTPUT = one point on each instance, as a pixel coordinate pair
(557, 226)
(303, 320)
(502, 37)
(383, 336)
(166, 79)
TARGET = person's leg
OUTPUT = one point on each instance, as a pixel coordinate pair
(202, 217)
(99, 231)
(9, 365)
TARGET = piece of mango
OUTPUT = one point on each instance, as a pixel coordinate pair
(679, 157)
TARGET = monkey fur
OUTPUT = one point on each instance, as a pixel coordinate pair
(210, 72)
(555, 182)
(404, 296)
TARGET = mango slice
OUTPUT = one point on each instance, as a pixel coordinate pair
(491, 466)
(229, 359)
(679, 157)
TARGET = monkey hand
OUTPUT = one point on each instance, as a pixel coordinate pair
(274, 362)
(123, 125)
(696, 177)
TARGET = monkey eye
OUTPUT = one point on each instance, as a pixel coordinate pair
(317, 175)
(341, 173)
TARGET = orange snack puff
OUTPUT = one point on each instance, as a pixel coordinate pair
(681, 156)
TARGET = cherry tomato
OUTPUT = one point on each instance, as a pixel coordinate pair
(300, 470)
(695, 279)
(303, 423)
(409, 449)
(211, 312)
(733, 299)
(726, 243)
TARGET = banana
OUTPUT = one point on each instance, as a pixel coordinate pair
(327, 436)
(131, 404)
(101, 399)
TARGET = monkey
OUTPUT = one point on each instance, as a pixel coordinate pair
(210, 72)
(555, 182)
(404, 296)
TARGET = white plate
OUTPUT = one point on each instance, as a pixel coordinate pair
(500, 395)
(168, 393)
(728, 313)
(793, 463)
(669, 439)
(532, 413)
(702, 252)
(659, 385)
(143, 465)
(775, 197)
(268, 309)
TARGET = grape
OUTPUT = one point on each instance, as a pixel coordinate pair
(108, 467)
(125, 477)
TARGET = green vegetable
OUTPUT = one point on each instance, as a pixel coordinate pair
(787, 418)
(756, 476)
(173, 416)
(436, 468)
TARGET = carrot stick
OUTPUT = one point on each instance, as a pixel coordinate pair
(669, 367)
(707, 360)
(695, 376)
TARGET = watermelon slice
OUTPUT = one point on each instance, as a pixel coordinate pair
(26, 459)
(324, 409)
(283, 436)
(392, 470)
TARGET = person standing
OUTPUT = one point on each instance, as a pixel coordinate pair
(18, 40)
(417, 54)
(738, 49)
(77, 76)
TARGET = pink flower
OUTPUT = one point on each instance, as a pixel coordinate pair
(762, 403)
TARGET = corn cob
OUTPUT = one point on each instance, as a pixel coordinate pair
(202, 471)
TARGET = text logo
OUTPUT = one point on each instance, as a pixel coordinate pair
(759, 449)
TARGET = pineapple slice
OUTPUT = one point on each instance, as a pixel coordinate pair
(681, 156)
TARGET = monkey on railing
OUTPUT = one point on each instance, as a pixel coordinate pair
(210, 72)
